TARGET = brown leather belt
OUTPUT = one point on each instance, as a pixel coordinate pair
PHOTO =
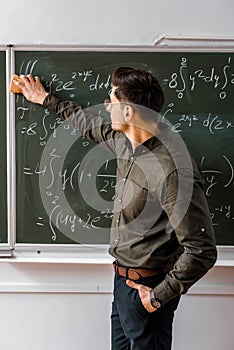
(136, 274)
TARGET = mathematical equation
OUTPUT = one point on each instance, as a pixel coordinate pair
(216, 180)
(59, 219)
(213, 123)
(219, 181)
(69, 181)
(209, 76)
(55, 83)
(214, 177)
(181, 82)
(222, 212)
(73, 177)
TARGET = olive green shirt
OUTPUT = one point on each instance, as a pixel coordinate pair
(161, 217)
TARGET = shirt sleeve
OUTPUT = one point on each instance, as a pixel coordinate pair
(91, 126)
(186, 207)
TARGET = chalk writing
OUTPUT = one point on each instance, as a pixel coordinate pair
(212, 76)
(58, 84)
(199, 90)
(222, 212)
(214, 123)
(216, 177)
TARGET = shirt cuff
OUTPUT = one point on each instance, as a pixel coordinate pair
(50, 101)
(163, 292)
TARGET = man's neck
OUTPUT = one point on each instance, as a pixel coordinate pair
(139, 134)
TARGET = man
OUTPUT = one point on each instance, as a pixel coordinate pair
(161, 234)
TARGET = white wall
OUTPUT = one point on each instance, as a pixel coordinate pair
(58, 306)
(111, 22)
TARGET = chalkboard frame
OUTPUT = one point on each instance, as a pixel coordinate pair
(7, 246)
(37, 249)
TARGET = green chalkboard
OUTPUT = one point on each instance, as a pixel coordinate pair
(3, 166)
(199, 89)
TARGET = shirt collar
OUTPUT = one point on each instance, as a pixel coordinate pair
(153, 142)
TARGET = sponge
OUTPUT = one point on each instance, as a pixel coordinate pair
(13, 87)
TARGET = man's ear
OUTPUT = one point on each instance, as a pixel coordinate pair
(128, 113)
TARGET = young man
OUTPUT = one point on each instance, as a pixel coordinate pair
(161, 234)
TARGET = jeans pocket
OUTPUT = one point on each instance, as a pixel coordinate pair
(140, 309)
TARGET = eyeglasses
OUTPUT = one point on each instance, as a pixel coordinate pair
(108, 105)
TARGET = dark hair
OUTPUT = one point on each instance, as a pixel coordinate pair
(138, 87)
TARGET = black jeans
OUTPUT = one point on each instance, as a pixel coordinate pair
(133, 327)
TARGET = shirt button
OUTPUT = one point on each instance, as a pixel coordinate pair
(132, 158)
(117, 221)
(124, 179)
(120, 200)
(116, 240)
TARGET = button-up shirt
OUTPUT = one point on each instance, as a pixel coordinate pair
(161, 217)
